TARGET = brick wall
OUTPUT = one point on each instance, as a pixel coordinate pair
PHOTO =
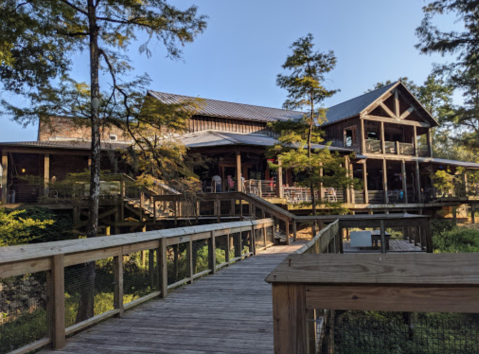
(64, 128)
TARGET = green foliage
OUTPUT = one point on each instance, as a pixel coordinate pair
(456, 240)
(16, 229)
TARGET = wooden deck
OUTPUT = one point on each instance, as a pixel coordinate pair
(229, 312)
(402, 246)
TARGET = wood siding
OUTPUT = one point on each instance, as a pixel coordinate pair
(200, 123)
(334, 133)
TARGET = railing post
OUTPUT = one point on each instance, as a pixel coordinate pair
(287, 232)
(228, 248)
(290, 319)
(253, 240)
(312, 331)
(161, 262)
(398, 147)
(383, 236)
(212, 252)
(264, 237)
(57, 301)
(118, 276)
(190, 261)
(294, 231)
(142, 205)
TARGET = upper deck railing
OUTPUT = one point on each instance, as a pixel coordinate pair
(54, 289)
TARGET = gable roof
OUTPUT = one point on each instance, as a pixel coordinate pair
(336, 113)
(225, 109)
(355, 106)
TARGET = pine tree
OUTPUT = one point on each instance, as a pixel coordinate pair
(306, 92)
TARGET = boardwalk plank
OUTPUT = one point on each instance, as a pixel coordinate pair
(228, 312)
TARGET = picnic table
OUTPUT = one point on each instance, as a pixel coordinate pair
(376, 237)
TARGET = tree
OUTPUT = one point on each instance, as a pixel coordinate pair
(105, 29)
(463, 73)
(306, 92)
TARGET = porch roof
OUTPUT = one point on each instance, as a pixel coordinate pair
(468, 165)
(64, 144)
(210, 138)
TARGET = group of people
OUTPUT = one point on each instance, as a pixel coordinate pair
(217, 185)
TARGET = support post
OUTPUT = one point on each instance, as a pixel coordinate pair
(253, 241)
(416, 151)
(429, 142)
(404, 180)
(239, 186)
(473, 213)
(383, 142)
(348, 173)
(383, 236)
(290, 319)
(362, 136)
(418, 182)
(365, 182)
(58, 301)
(321, 185)
(287, 232)
(46, 174)
(279, 181)
(385, 182)
(118, 276)
(4, 178)
(294, 231)
(212, 252)
(162, 265)
(191, 272)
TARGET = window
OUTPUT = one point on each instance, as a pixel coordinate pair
(113, 137)
(350, 137)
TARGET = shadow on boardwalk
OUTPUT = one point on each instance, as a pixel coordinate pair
(229, 312)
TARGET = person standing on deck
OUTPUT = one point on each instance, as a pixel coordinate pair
(231, 184)
(216, 183)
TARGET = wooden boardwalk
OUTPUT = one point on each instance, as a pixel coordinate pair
(402, 246)
(229, 312)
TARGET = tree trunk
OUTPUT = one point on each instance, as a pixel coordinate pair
(86, 305)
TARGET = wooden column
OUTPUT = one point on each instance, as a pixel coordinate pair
(279, 181)
(161, 261)
(362, 136)
(348, 174)
(415, 142)
(212, 252)
(383, 236)
(294, 231)
(118, 276)
(287, 231)
(473, 213)
(385, 182)
(383, 142)
(418, 182)
(239, 186)
(404, 180)
(466, 185)
(429, 142)
(58, 301)
(4, 177)
(365, 182)
(46, 174)
(290, 319)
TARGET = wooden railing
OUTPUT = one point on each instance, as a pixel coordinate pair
(328, 240)
(309, 287)
(175, 257)
(373, 146)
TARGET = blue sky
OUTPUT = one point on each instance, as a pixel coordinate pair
(246, 42)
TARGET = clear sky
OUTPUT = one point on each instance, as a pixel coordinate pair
(246, 42)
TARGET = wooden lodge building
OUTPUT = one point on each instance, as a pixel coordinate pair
(388, 129)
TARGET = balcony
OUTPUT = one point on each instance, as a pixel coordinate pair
(395, 148)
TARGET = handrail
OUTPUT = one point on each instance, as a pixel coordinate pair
(321, 243)
(54, 257)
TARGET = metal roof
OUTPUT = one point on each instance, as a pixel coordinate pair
(225, 109)
(65, 144)
(219, 138)
(355, 106)
(470, 165)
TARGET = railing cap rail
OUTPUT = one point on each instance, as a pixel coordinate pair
(431, 269)
(47, 249)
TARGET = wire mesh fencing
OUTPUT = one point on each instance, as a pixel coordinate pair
(259, 238)
(23, 310)
(177, 263)
(221, 251)
(140, 274)
(89, 290)
(200, 253)
(361, 332)
(246, 242)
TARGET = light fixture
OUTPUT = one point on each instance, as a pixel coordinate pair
(23, 170)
